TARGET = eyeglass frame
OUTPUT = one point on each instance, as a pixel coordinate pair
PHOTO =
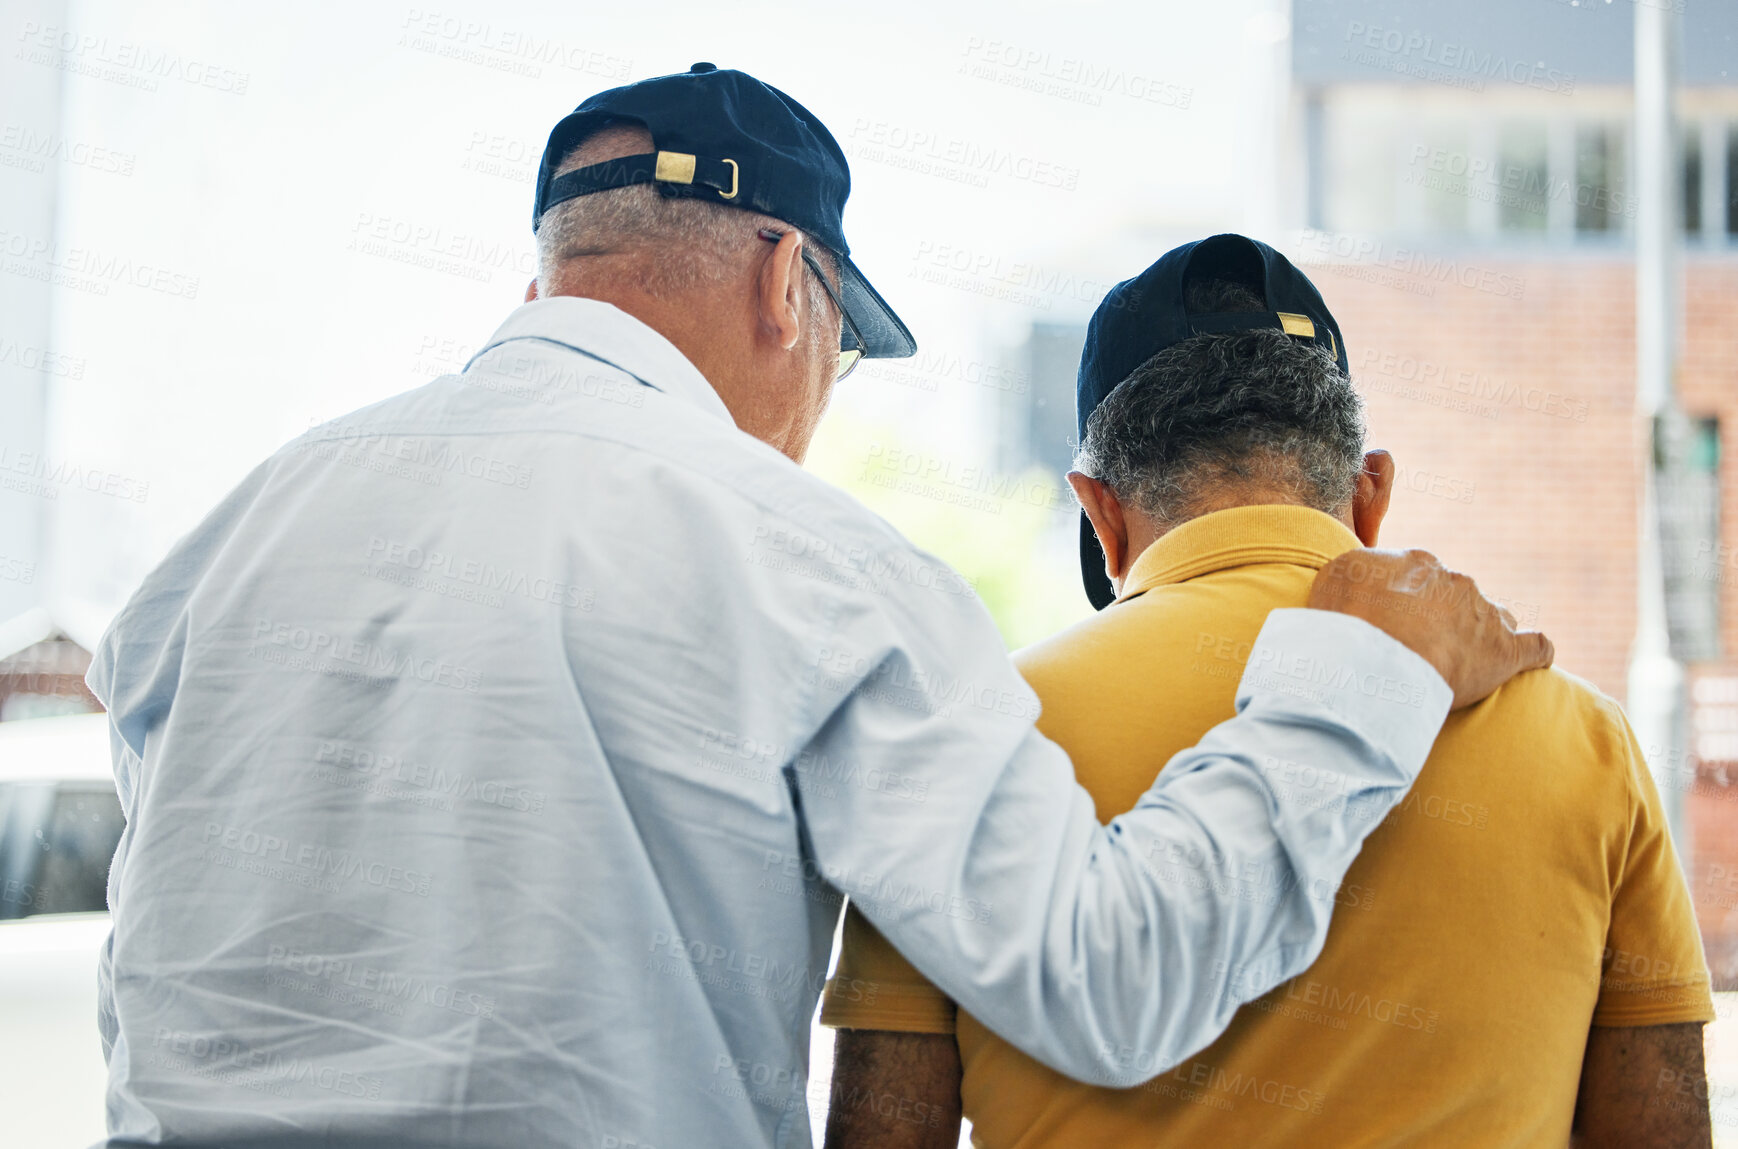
(845, 366)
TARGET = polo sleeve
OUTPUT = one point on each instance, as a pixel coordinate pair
(1653, 971)
(874, 987)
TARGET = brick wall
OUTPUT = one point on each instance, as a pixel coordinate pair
(1512, 424)
(1509, 407)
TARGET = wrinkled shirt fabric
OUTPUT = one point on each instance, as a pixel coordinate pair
(495, 759)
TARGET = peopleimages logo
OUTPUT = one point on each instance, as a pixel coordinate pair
(423, 459)
(892, 142)
(1444, 61)
(16, 570)
(390, 984)
(39, 474)
(514, 50)
(479, 573)
(1518, 186)
(1310, 671)
(855, 565)
(865, 886)
(1335, 250)
(88, 269)
(1482, 393)
(26, 357)
(310, 648)
(448, 783)
(122, 61)
(1016, 281)
(434, 248)
(313, 857)
(1033, 488)
(35, 149)
(222, 1059)
(1066, 77)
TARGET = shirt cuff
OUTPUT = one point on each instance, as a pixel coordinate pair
(916, 1007)
(1668, 1003)
(1387, 693)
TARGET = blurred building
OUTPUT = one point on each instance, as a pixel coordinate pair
(42, 670)
(1036, 421)
(1457, 179)
(1461, 178)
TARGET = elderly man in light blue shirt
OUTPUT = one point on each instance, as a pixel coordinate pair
(496, 757)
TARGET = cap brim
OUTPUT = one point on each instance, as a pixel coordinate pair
(1098, 587)
(884, 336)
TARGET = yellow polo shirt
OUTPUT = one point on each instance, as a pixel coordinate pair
(1525, 890)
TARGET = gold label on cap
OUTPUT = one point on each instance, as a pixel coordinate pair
(1294, 324)
(674, 168)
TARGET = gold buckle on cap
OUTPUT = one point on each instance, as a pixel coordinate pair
(674, 168)
(1294, 324)
(735, 175)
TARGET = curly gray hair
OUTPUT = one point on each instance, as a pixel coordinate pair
(1237, 408)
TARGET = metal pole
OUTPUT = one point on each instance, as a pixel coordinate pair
(1656, 677)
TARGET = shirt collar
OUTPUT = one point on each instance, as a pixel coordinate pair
(1271, 533)
(610, 335)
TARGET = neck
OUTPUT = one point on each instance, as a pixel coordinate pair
(1144, 531)
(674, 316)
(690, 321)
(1224, 500)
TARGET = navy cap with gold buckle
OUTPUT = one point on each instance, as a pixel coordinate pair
(725, 137)
(1141, 317)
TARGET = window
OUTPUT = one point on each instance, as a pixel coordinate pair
(1505, 174)
(1052, 360)
(1362, 151)
(1689, 516)
(1448, 186)
(56, 841)
(1523, 177)
(1601, 194)
(1732, 180)
(1692, 134)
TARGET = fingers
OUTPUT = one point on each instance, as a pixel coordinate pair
(1438, 613)
(1536, 650)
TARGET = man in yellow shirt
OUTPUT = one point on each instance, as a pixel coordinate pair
(1513, 957)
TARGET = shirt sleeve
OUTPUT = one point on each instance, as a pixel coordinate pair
(874, 987)
(1653, 971)
(1109, 953)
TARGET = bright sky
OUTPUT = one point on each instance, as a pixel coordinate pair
(289, 174)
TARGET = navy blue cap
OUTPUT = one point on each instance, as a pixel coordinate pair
(724, 137)
(1144, 315)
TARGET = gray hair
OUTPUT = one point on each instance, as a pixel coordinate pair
(1225, 410)
(683, 243)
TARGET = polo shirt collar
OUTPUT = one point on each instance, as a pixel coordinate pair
(609, 334)
(1238, 537)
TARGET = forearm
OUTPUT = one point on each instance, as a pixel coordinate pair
(894, 1091)
(1644, 1085)
(1113, 953)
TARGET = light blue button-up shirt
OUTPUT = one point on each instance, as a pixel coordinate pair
(494, 759)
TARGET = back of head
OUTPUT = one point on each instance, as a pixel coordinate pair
(669, 245)
(1227, 418)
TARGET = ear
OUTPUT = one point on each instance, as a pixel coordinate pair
(1108, 522)
(779, 291)
(1370, 503)
(531, 291)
